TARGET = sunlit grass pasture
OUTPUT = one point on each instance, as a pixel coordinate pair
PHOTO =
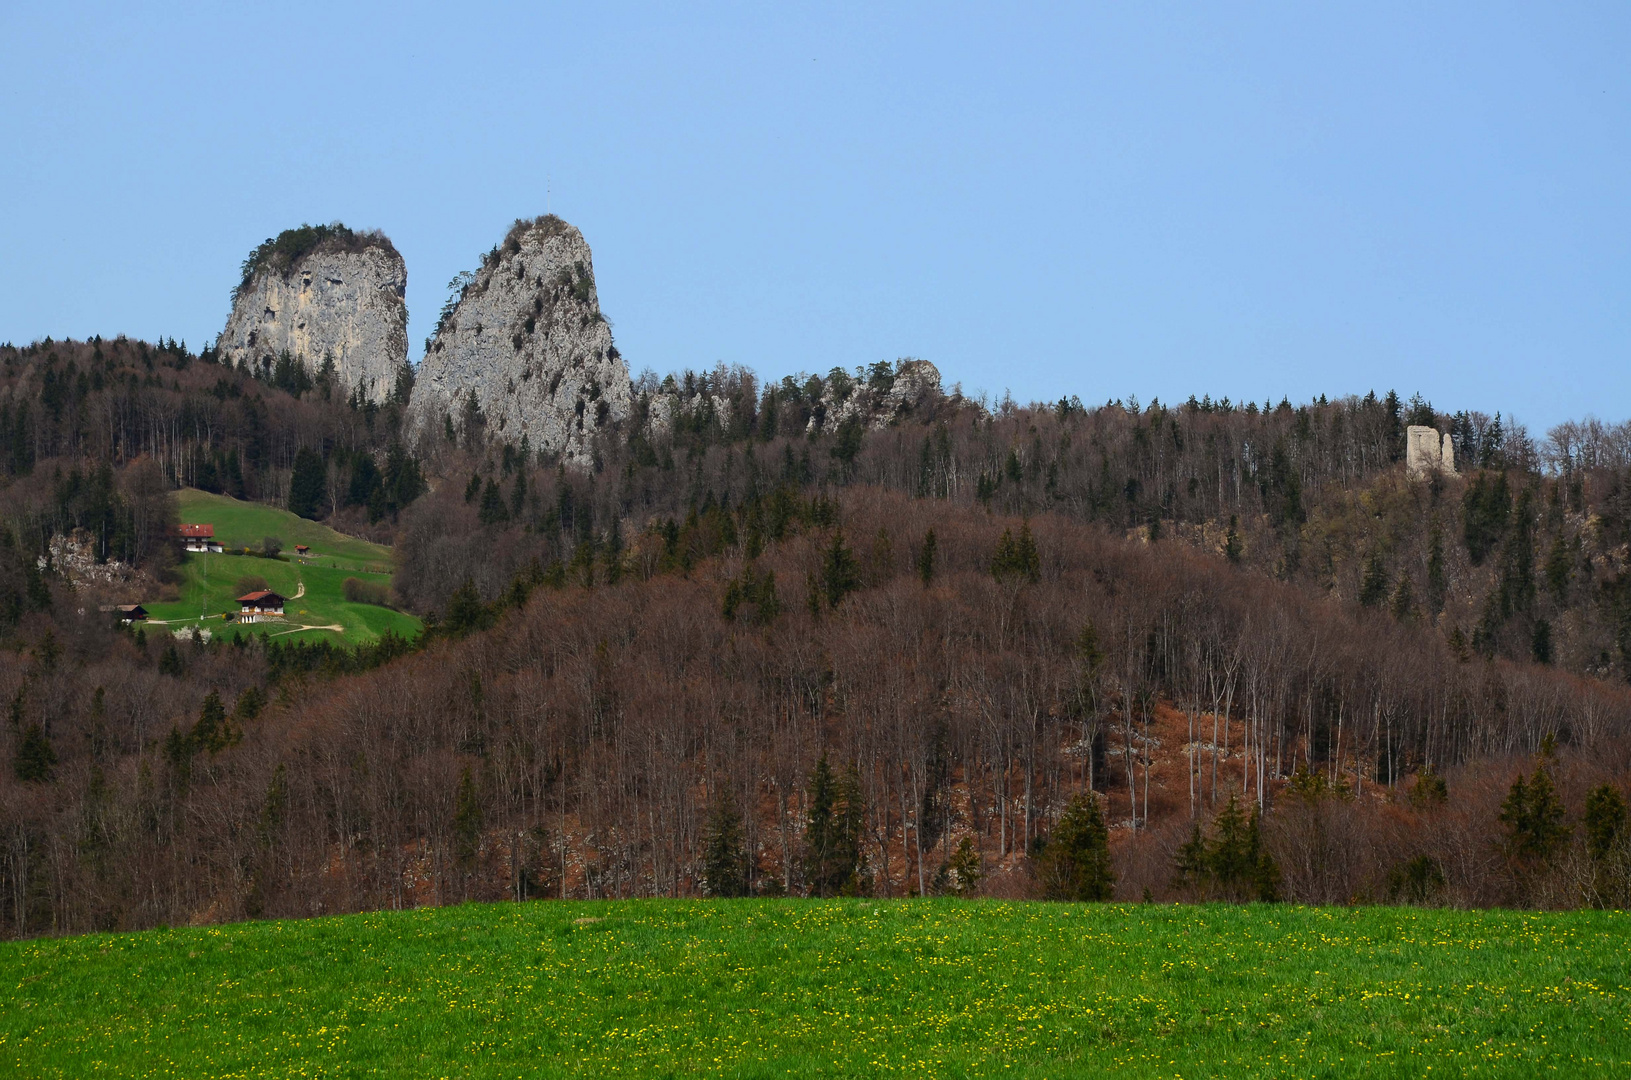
(241, 524)
(210, 582)
(765, 988)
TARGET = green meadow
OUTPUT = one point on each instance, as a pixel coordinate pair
(317, 608)
(244, 524)
(763, 988)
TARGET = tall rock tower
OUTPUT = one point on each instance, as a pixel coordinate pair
(323, 293)
(525, 341)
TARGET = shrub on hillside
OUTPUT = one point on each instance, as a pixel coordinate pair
(359, 591)
(251, 583)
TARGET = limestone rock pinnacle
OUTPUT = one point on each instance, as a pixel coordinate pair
(323, 294)
(525, 341)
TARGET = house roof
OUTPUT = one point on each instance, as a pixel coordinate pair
(262, 596)
(197, 532)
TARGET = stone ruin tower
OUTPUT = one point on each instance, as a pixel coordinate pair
(323, 293)
(525, 341)
(1426, 452)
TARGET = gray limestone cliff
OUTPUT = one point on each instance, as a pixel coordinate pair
(525, 341)
(323, 293)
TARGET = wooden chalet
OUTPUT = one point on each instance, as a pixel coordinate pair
(302, 550)
(127, 613)
(198, 538)
(260, 605)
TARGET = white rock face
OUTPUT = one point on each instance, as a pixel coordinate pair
(348, 305)
(528, 340)
(1426, 452)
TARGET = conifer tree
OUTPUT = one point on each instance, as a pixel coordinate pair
(213, 731)
(1074, 863)
(1604, 821)
(1403, 604)
(840, 575)
(1231, 864)
(1540, 642)
(36, 759)
(1437, 586)
(307, 483)
(1373, 588)
(1533, 815)
(492, 511)
(518, 497)
(1608, 848)
(467, 819)
(170, 660)
(1485, 509)
(1016, 559)
(1559, 569)
(833, 862)
(963, 868)
(926, 556)
(725, 857)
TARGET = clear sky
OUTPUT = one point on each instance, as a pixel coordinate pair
(1252, 200)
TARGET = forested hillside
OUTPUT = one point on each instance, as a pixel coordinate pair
(95, 432)
(1524, 555)
(762, 644)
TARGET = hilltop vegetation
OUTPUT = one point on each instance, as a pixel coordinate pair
(822, 988)
(280, 254)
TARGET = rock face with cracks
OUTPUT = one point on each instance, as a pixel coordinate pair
(323, 294)
(524, 350)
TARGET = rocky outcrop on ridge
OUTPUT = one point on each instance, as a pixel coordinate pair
(323, 294)
(880, 398)
(524, 341)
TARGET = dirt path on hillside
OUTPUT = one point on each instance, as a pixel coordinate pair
(337, 628)
(298, 593)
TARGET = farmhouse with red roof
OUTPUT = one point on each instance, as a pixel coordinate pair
(260, 605)
(198, 538)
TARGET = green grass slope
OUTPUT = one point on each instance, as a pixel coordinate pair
(833, 988)
(210, 582)
(245, 524)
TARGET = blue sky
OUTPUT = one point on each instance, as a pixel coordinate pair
(1248, 200)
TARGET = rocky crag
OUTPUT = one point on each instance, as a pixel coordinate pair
(323, 294)
(872, 397)
(523, 348)
(878, 397)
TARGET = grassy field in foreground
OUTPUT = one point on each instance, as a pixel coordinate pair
(210, 583)
(767, 988)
